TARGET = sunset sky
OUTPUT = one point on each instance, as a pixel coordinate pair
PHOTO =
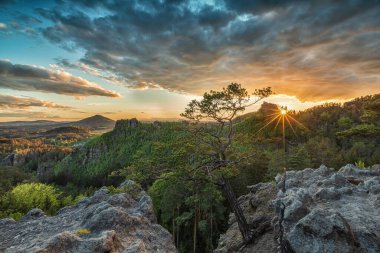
(66, 60)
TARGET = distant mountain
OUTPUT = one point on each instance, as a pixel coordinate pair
(97, 122)
(13, 129)
(29, 123)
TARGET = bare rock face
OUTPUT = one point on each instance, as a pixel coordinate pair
(126, 123)
(326, 211)
(102, 223)
(156, 124)
(12, 159)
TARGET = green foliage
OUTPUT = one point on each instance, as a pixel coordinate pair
(22, 198)
(372, 112)
(11, 176)
(179, 202)
(344, 122)
(362, 130)
(135, 149)
(360, 164)
(323, 150)
(132, 189)
(276, 164)
(82, 231)
(25, 197)
(299, 159)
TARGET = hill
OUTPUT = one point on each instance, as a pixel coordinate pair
(67, 130)
(28, 123)
(27, 129)
(96, 122)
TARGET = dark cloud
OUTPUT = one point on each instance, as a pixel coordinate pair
(7, 102)
(6, 2)
(32, 78)
(311, 49)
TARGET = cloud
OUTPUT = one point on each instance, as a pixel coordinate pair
(3, 26)
(32, 78)
(315, 50)
(26, 102)
(28, 115)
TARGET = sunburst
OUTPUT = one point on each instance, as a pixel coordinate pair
(282, 115)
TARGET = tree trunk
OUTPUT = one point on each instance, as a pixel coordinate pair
(178, 227)
(195, 232)
(211, 241)
(173, 225)
(240, 218)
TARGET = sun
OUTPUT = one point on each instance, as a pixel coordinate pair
(282, 115)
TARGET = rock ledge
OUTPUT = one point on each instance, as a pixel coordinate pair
(326, 211)
(102, 223)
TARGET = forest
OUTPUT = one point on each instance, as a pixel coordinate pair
(164, 159)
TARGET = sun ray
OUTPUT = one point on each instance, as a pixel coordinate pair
(278, 122)
(290, 124)
(272, 114)
(299, 123)
(268, 123)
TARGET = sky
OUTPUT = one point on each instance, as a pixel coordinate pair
(67, 60)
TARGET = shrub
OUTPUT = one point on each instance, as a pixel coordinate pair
(360, 164)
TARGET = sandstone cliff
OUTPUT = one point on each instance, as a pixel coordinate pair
(105, 222)
(326, 211)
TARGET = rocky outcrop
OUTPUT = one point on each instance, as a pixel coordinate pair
(156, 124)
(105, 222)
(325, 211)
(93, 153)
(126, 123)
(14, 159)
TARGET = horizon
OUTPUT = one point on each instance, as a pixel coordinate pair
(256, 106)
(69, 60)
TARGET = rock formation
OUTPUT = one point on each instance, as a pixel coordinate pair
(125, 123)
(105, 222)
(325, 211)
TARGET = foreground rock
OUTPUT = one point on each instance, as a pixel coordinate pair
(257, 207)
(326, 211)
(105, 222)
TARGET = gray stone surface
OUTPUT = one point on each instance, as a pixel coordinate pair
(326, 211)
(332, 211)
(117, 223)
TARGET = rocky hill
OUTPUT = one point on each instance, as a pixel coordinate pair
(96, 122)
(120, 222)
(325, 211)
